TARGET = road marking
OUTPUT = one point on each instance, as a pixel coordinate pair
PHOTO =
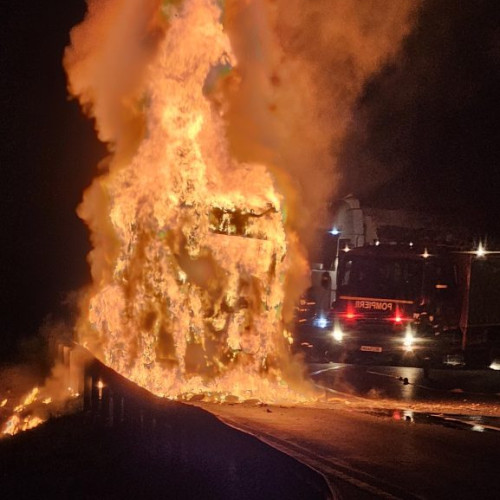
(435, 389)
(331, 368)
(471, 423)
(328, 467)
(345, 395)
(382, 374)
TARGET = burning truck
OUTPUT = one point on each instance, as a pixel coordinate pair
(190, 250)
(218, 120)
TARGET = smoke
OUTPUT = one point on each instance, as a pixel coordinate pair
(302, 67)
(427, 117)
(33, 392)
(279, 101)
(105, 64)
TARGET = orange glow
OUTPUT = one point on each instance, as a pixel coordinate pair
(190, 267)
(19, 421)
(28, 399)
(12, 425)
(219, 151)
(17, 424)
(37, 405)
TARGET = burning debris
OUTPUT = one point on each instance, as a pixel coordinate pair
(40, 403)
(57, 394)
(24, 416)
(197, 258)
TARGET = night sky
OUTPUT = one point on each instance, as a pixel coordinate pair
(424, 136)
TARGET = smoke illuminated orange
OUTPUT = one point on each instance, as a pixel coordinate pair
(191, 300)
(197, 258)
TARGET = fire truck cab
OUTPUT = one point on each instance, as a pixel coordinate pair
(398, 301)
(416, 306)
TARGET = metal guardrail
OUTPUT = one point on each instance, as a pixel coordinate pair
(194, 446)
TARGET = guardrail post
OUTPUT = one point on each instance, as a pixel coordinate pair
(87, 392)
(111, 406)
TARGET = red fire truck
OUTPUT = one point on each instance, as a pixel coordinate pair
(414, 305)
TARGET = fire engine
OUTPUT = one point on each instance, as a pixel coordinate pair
(413, 304)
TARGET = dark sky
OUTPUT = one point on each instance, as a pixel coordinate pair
(48, 155)
(426, 132)
(424, 135)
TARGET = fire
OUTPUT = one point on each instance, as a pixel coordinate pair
(28, 399)
(192, 298)
(34, 409)
(194, 246)
(17, 424)
(22, 419)
(51, 398)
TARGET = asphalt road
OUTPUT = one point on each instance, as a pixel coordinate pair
(469, 390)
(366, 455)
(373, 432)
(376, 435)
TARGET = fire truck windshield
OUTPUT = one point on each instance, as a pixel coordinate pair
(368, 276)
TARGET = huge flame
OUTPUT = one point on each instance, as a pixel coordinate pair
(194, 246)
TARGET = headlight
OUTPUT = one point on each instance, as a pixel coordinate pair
(337, 333)
(409, 340)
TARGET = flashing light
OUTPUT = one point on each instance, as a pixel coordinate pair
(350, 315)
(426, 254)
(398, 318)
(334, 231)
(481, 251)
(321, 322)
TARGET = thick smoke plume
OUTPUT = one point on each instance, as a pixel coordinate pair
(302, 66)
(257, 95)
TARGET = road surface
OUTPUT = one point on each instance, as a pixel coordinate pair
(377, 436)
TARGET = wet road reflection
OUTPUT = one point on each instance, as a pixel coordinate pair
(477, 423)
(409, 384)
(450, 398)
